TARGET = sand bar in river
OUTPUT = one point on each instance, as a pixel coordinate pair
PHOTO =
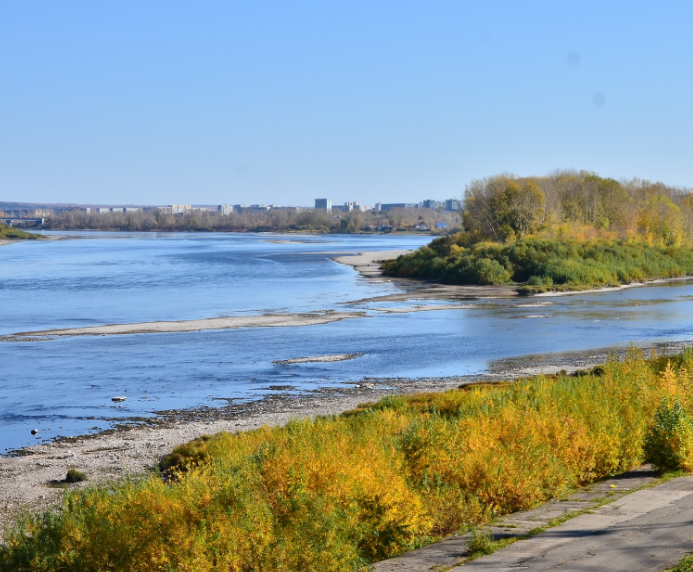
(227, 323)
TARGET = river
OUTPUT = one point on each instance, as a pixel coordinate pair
(64, 386)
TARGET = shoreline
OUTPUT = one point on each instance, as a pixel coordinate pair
(368, 265)
(39, 238)
(28, 476)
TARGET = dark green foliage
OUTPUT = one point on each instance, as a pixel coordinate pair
(75, 476)
(686, 565)
(669, 441)
(542, 264)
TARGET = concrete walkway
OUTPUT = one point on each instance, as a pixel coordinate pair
(650, 529)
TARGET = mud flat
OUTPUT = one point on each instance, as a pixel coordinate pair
(227, 323)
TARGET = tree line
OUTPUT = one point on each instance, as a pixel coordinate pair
(580, 205)
(274, 220)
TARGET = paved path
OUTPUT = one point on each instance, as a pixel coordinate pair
(650, 529)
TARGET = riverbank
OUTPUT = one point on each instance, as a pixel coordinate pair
(30, 479)
(7, 241)
(368, 264)
(551, 435)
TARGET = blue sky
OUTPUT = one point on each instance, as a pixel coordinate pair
(281, 102)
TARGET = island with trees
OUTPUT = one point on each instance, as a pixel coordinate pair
(8, 233)
(565, 231)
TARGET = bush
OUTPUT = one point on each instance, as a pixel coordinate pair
(541, 263)
(540, 281)
(669, 442)
(75, 476)
(487, 271)
(480, 544)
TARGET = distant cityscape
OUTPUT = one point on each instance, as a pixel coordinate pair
(17, 211)
(449, 205)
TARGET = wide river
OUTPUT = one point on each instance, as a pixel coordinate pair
(64, 386)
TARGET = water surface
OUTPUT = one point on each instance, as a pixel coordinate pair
(64, 386)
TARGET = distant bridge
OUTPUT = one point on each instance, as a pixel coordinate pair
(9, 221)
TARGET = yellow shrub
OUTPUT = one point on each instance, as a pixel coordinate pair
(335, 493)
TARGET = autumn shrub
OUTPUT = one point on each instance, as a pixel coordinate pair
(338, 492)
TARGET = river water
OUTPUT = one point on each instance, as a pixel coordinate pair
(64, 386)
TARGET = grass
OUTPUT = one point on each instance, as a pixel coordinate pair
(541, 264)
(482, 544)
(686, 565)
(338, 492)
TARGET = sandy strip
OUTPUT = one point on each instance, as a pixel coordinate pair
(228, 323)
(368, 263)
(425, 308)
(317, 359)
(41, 237)
(420, 290)
(616, 288)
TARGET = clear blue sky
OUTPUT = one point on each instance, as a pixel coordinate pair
(370, 100)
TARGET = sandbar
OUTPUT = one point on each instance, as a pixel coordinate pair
(225, 323)
(426, 308)
(368, 263)
(317, 359)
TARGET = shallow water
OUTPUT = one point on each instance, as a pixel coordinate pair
(64, 386)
